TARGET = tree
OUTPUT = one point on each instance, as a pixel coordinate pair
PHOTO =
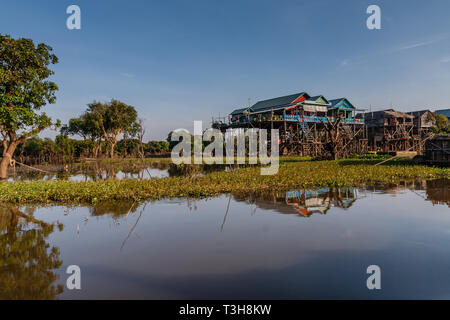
(114, 118)
(24, 90)
(441, 123)
(76, 126)
(140, 133)
(86, 126)
(334, 139)
(106, 121)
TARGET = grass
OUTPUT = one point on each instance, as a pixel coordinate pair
(293, 173)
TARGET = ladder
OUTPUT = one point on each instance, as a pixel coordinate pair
(307, 132)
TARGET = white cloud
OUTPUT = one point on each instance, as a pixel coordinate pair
(422, 43)
(127, 75)
(414, 45)
(345, 62)
(445, 60)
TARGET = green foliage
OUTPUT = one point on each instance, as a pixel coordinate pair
(24, 87)
(157, 147)
(442, 125)
(105, 121)
(370, 156)
(78, 126)
(291, 175)
(127, 147)
(64, 149)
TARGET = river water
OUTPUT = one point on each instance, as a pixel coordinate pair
(303, 244)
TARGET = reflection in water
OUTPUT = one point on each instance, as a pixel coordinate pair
(438, 191)
(27, 260)
(307, 202)
(94, 171)
(114, 208)
(236, 247)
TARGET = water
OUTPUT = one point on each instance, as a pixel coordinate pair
(301, 244)
(94, 171)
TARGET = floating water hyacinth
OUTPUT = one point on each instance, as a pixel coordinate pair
(292, 174)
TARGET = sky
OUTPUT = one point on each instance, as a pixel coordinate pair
(180, 61)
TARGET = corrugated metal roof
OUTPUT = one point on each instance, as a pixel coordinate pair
(418, 113)
(398, 114)
(335, 102)
(276, 102)
(315, 98)
(238, 111)
(388, 112)
(315, 103)
(445, 112)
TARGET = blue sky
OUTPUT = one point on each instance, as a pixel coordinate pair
(179, 61)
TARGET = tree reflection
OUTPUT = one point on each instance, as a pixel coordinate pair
(116, 209)
(27, 261)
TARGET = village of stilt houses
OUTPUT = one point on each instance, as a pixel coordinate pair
(321, 128)
(327, 194)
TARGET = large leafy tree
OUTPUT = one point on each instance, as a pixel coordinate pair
(106, 121)
(119, 118)
(86, 126)
(441, 123)
(76, 126)
(24, 90)
(114, 119)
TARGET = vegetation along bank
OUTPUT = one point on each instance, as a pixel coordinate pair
(291, 174)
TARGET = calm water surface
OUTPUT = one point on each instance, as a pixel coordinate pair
(94, 171)
(299, 244)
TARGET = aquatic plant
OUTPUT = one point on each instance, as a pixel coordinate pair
(291, 174)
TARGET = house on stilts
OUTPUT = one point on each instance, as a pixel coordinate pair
(319, 127)
(301, 120)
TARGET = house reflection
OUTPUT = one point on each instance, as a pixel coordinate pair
(438, 191)
(304, 202)
(307, 202)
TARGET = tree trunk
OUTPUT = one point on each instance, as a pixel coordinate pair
(96, 150)
(6, 160)
(112, 143)
(111, 150)
(4, 167)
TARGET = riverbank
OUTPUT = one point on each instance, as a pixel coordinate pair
(292, 174)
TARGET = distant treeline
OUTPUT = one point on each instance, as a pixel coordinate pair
(109, 129)
(64, 149)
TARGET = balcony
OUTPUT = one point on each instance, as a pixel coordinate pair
(291, 117)
(294, 118)
(317, 119)
(314, 119)
(353, 120)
